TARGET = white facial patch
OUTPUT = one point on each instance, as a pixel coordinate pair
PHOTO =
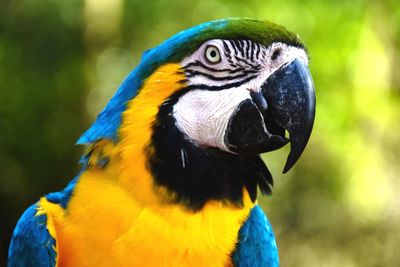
(203, 113)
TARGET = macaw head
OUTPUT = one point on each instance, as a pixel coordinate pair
(200, 108)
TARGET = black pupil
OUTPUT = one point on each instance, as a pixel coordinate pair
(213, 53)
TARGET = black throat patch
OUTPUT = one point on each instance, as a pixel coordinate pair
(195, 174)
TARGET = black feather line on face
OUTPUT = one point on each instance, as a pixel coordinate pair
(195, 175)
(194, 73)
(237, 47)
(227, 50)
(220, 87)
(200, 65)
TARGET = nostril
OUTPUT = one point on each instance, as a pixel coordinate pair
(260, 101)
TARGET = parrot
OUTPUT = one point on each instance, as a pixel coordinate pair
(172, 165)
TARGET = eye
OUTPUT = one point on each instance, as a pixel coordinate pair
(212, 55)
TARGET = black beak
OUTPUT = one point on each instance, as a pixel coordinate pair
(286, 103)
(289, 91)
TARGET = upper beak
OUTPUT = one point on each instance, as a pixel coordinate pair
(290, 95)
(286, 103)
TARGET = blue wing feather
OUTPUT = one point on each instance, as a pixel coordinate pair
(256, 243)
(32, 244)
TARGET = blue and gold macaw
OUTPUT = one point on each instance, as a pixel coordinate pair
(172, 168)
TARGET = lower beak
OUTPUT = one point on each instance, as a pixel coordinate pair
(286, 103)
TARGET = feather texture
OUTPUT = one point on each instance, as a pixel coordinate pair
(256, 242)
(32, 243)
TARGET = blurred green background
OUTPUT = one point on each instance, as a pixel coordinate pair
(60, 61)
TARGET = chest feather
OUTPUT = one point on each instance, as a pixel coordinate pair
(104, 226)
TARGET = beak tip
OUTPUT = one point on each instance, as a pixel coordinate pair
(289, 164)
(297, 147)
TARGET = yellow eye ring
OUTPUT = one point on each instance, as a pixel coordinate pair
(212, 54)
